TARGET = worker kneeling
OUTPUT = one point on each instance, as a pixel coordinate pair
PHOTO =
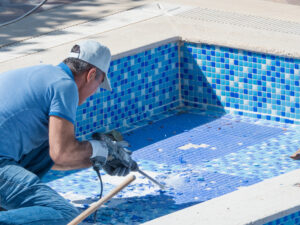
(37, 114)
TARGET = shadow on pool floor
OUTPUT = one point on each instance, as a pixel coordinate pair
(119, 210)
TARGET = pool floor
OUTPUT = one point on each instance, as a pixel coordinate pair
(197, 155)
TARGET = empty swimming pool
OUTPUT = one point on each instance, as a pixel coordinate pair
(202, 119)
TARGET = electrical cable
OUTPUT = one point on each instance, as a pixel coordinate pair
(97, 169)
(24, 15)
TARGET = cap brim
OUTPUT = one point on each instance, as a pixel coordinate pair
(105, 84)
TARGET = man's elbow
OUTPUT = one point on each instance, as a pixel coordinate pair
(57, 155)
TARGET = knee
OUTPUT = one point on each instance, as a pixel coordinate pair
(42, 194)
(67, 210)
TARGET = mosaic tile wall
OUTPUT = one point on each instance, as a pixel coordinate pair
(292, 219)
(242, 82)
(212, 78)
(143, 85)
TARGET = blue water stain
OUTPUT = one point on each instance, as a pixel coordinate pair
(187, 179)
(136, 218)
(181, 160)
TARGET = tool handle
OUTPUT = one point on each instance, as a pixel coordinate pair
(101, 201)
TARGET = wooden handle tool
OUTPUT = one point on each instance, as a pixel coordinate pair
(101, 201)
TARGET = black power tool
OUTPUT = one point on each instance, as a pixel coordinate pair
(119, 155)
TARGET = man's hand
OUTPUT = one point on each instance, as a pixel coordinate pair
(100, 152)
(119, 171)
(118, 161)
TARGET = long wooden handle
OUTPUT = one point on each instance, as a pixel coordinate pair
(101, 201)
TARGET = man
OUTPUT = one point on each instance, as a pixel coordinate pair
(37, 113)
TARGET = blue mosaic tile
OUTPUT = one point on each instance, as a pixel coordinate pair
(198, 155)
(143, 85)
(292, 219)
(223, 135)
(245, 83)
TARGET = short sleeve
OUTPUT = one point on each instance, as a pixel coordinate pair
(64, 100)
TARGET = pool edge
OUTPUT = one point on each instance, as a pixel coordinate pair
(256, 204)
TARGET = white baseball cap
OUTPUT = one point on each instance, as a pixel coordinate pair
(97, 55)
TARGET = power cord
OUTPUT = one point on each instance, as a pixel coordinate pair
(24, 15)
(97, 169)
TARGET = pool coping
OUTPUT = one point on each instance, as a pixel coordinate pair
(256, 204)
(162, 23)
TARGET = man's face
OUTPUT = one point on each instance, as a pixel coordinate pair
(91, 84)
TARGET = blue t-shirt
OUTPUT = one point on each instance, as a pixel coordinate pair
(28, 96)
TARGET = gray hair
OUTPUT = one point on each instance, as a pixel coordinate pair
(78, 66)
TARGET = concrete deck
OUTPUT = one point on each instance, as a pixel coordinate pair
(263, 26)
(51, 32)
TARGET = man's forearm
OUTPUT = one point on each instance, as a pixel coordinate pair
(65, 150)
(75, 156)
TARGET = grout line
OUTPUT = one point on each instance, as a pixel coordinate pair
(180, 43)
(205, 105)
(264, 114)
(231, 110)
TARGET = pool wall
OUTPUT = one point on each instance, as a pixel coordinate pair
(243, 82)
(211, 78)
(144, 84)
(291, 219)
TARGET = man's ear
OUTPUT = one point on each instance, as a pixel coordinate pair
(91, 74)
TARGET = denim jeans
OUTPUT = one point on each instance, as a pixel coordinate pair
(27, 200)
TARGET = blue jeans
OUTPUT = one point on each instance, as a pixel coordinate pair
(27, 200)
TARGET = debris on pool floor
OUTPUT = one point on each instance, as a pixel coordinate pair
(197, 156)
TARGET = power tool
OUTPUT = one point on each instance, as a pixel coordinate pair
(118, 154)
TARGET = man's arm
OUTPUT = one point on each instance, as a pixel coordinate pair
(66, 152)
